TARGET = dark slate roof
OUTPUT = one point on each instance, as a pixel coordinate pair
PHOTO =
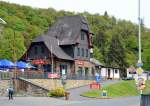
(68, 28)
(96, 62)
(52, 42)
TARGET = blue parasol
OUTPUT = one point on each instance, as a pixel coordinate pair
(23, 65)
(6, 64)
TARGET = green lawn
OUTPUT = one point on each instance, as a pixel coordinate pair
(124, 88)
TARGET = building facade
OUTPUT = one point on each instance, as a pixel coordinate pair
(64, 48)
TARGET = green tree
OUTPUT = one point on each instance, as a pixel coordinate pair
(116, 55)
(97, 54)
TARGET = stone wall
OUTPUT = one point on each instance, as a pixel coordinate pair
(27, 88)
(40, 87)
(3, 87)
(53, 84)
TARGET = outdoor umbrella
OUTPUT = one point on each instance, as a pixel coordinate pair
(23, 65)
(6, 64)
(30, 66)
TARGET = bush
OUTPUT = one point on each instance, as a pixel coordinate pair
(49, 94)
(59, 92)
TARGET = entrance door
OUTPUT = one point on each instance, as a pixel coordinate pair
(108, 73)
(63, 69)
(86, 73)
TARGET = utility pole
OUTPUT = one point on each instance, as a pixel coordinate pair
(52, 60)
(139, 33)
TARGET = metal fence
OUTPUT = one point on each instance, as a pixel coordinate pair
(145, 100)
(6, 75)
(41, 75)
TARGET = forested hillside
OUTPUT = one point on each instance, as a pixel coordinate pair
(115, 41)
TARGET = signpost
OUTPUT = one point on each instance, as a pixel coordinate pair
(139, 64)
(53, 75)
(97, 78)
(104, 94)
(95, 86)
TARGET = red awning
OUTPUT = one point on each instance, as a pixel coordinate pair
(39, 62)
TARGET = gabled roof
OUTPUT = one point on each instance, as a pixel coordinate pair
(68, 28)
(96, 62)
(52, 44)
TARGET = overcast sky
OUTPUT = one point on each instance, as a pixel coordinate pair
(121, 9)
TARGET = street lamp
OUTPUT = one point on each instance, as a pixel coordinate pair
(140, 78)
(139, 31)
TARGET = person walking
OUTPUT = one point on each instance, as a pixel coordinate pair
(10, 92)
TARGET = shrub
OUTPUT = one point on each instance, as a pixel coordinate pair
(59, 92)
(49, 94)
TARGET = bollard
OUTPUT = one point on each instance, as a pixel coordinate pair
(67, 95)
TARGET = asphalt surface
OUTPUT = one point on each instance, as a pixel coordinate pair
(44, 101)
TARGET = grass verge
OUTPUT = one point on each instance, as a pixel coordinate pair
(124, 88)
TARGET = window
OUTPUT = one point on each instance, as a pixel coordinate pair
(78, 52)
(87, 53)
(82, 52)
(82, 35)
(116, 71)
(35, 50)
(80, 71)
(42, 49)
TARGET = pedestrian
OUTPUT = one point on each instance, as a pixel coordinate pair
(10, 91)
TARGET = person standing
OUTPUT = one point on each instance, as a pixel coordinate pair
(10, 92)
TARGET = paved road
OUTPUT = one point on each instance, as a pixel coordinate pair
(130, 101)
(34, 101)
(44, 101)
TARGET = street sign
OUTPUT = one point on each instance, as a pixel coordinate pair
(97, 78)
(95, 86)
(139, 64)
(139, 71)
(104, 93)
(53, 75)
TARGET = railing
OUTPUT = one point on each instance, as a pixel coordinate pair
(41, 75)
(79, 77)
(5, 75)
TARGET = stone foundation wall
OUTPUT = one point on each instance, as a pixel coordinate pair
(40, 87)
(3, 87)
(53, 84)
(26, 88)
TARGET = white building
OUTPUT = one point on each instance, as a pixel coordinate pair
(131, 71)
(110, 73)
